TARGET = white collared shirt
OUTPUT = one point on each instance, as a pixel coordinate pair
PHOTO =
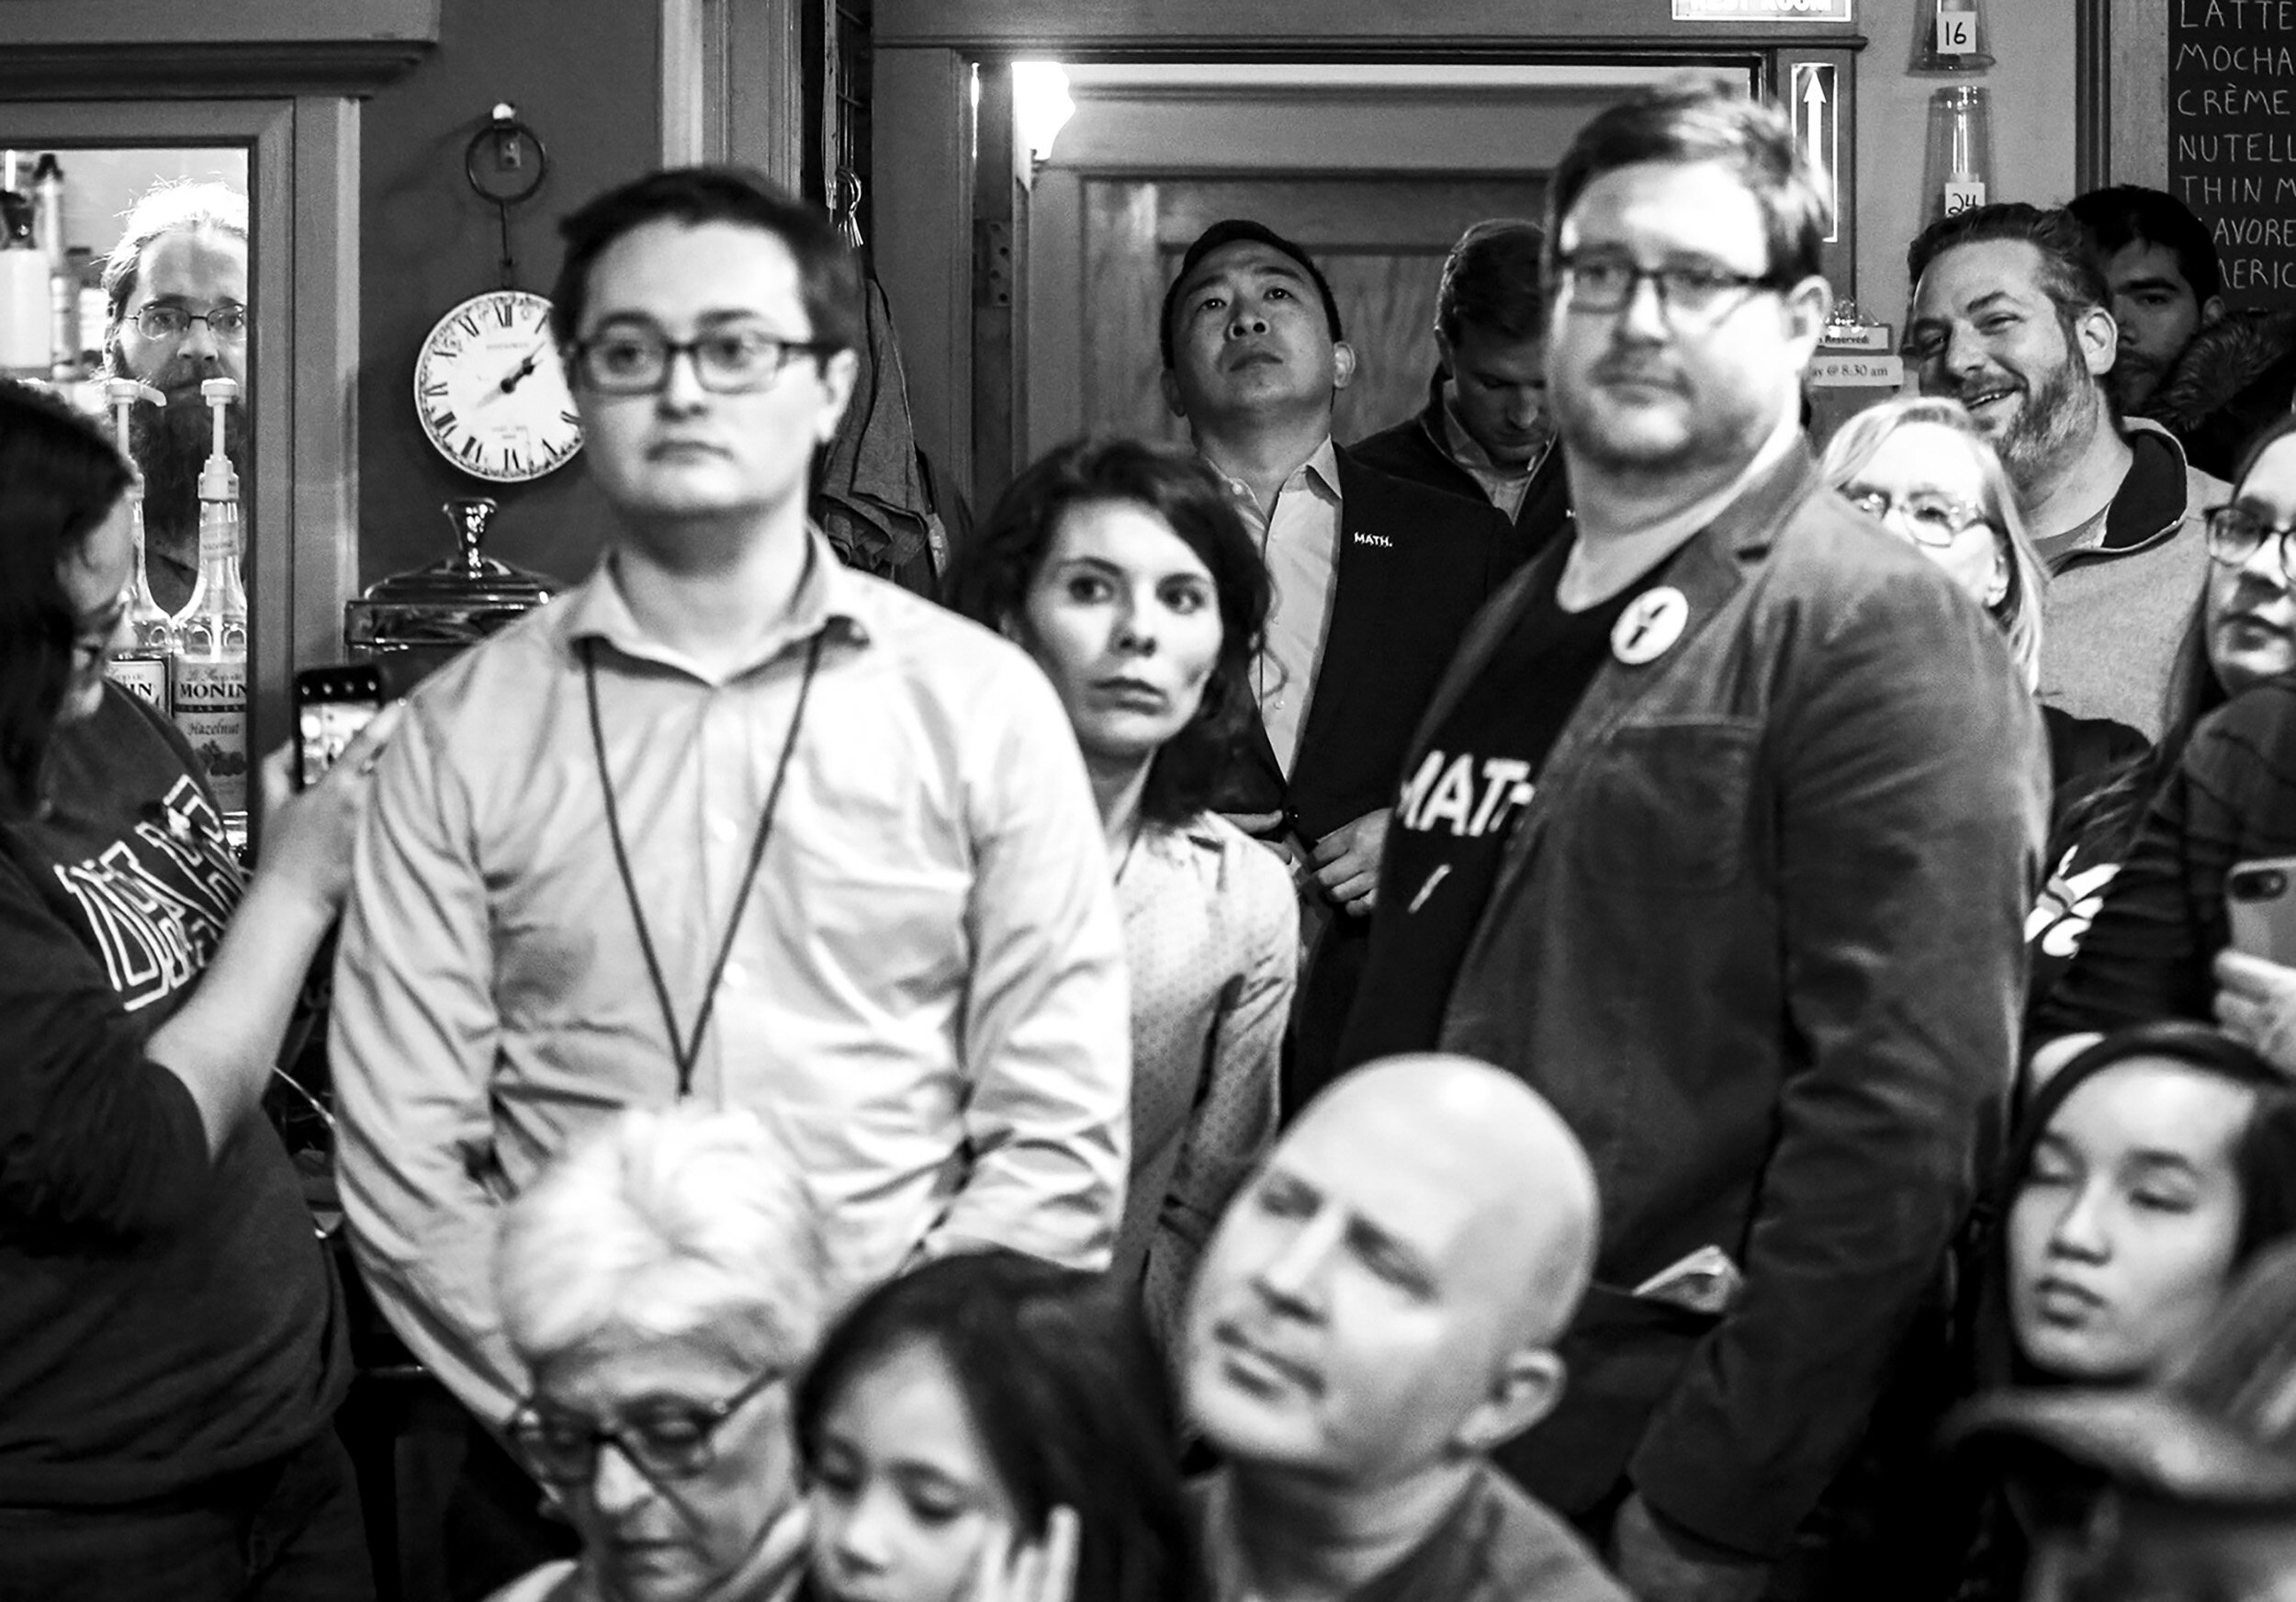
(925, 995)
(1505, 487)
(1300, 544)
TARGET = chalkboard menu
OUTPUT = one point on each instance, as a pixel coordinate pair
(2232, 137)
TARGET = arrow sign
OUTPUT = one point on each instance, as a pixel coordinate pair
(1816, 128)
(1813, 122)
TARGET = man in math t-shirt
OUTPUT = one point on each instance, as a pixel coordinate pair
(1718, 834)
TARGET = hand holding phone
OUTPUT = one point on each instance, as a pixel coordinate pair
(2255, 1004)
(332, 704)
(309, 834)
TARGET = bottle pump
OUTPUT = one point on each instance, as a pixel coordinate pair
(210, 678)
(145, 665)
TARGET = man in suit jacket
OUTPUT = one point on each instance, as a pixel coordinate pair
(1375, 580)
(1721, 833)
(1484, 431)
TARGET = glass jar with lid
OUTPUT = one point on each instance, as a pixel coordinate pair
(415, 622)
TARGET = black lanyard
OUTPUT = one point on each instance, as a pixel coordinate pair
(683, 1052)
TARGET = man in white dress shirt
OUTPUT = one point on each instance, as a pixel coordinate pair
(727, 822)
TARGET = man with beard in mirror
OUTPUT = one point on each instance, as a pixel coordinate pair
(176, 289)
(2010, 318)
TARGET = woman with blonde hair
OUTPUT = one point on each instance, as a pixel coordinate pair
(1926, 472)
(1923, 469)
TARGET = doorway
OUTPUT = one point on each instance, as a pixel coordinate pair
(1376, 170)
(983, 314)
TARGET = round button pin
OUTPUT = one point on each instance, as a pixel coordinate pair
(1647, 629)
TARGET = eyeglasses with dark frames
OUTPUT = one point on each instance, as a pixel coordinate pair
(1702, 291)
(1932, 519)
(2235, 533)
(163, 322)
(635, 359)
(666, 1442)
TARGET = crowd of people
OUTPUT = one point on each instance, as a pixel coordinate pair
(1574, 1001)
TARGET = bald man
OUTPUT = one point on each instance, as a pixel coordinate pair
(1377, 1311)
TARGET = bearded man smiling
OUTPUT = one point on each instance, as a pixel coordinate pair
(2011, 317)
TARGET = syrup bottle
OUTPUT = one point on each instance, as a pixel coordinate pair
(209, 697)
(145, 666)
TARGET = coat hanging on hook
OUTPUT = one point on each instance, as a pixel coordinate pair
(845, 198)
(875, 496)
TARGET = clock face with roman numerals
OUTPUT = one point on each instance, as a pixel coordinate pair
(491, 392)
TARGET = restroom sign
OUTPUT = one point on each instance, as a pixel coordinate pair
(1815, 101)
(1765, 10)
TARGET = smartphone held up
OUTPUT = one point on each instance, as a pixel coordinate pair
(332, 704)
(2260, 901)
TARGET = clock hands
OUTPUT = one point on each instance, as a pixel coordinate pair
(518, 374)
(473, 392)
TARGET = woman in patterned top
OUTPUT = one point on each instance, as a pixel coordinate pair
(1126, 572)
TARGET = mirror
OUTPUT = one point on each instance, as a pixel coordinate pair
(178, 219)
(139, 258)
(275, 91)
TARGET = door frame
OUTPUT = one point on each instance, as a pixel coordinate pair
(941, 240)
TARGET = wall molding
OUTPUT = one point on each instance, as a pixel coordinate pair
(302, 486)
(1450, 30)
(2134, 68)
(71, 49)
(733, 85)
(2092, 95)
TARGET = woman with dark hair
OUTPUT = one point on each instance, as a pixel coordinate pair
(2224, 795)
(953, 1412)
(1125, 570)
(171, 1333)
(2180, 1490)
(2143, 1177)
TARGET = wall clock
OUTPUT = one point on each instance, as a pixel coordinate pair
(491, 392)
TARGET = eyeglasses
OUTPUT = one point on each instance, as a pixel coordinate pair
(2235, 535)
(1931, 518)
(157, 322)
(1702, 291)
(668, 1441)
(727, 361)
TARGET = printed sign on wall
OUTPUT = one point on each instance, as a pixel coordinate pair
(1817, 130)
(2232, 100)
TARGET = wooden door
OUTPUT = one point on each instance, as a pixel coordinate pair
(1380, 241)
